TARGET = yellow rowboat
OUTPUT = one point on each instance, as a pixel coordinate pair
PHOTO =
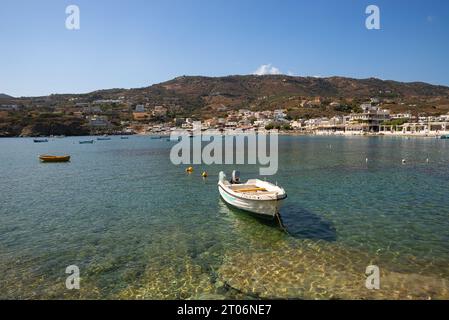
(47, 158)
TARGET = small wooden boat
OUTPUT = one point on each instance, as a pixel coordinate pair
(87, 142)
(40, 140)
(104, 139)
(48, 158)
(124, 138)
(256, 196)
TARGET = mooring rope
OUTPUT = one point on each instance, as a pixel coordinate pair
(281, 224)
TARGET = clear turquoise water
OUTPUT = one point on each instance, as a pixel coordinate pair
(139, 227)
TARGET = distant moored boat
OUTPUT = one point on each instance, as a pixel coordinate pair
(87, 142)
(40, 140)
(48, 158)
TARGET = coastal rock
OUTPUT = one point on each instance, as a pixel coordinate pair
(67, 128)
(8, 130)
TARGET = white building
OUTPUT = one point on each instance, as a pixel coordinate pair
(406, 115)
(297, 124)
(107, 101)
(279, 115)
(140, 108)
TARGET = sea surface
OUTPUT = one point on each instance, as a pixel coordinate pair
(139, 227)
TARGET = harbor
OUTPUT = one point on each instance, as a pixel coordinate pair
(140, 227)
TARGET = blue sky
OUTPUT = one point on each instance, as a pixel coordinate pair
(136, 43)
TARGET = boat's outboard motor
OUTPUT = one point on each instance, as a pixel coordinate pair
(222, 176)
(235, 177)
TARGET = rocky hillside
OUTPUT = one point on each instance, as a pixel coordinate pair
(205, 96)
(42, 127)
(198, 95)
(194, 92)
(257, 86)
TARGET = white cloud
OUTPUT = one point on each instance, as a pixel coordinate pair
(267, 69)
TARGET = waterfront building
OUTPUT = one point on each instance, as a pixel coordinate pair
(406, 115)
(231, 124)
(369, 120)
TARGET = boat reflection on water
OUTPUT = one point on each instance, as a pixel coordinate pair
(87, 142)
(40, 140)
(243, 219)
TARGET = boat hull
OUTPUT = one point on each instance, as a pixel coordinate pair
(265, 208)
(54, 158)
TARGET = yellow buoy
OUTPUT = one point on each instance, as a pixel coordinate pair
(204, 174)
(189, 170)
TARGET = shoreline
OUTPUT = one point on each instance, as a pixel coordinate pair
(281, 133)
(404, 135)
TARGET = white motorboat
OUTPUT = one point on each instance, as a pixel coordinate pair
(256, 196)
